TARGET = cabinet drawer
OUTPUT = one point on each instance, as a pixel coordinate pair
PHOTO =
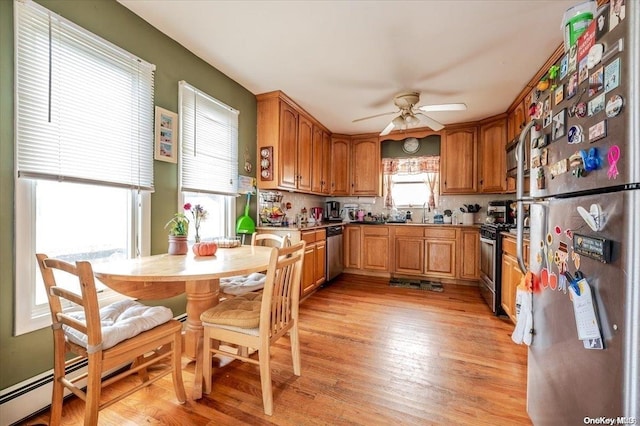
(320, 235)
(408, 231)
(509, 246)
(375, 230)
(440, 233)
(309, 237)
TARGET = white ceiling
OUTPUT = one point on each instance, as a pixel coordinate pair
(343, 60)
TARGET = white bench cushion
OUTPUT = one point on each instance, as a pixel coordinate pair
(120, 321)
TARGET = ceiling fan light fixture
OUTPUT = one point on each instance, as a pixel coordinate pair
(398, 122)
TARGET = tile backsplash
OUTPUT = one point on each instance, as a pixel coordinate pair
(375, 205)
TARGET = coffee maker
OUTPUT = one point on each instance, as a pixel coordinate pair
(332, 211)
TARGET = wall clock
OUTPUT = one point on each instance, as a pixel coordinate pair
(411, 145)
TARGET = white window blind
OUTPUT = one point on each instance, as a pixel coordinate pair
(209, 139)
(84, 107)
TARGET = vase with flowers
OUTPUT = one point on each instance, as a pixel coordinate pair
(199, 214)
(178, 230)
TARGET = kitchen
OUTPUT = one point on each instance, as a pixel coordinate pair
(465, 185)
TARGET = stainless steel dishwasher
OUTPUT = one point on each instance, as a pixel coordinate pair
(335, 264)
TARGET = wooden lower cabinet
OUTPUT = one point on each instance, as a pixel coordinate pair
(440, 258)
(451, 253)
(352, 247)
(409, 255)
(470, 254)
(511, 275)
(375, 248)
(314, 269)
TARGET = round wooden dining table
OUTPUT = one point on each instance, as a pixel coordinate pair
(163, 276)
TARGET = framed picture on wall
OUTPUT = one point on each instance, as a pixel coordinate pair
(166, 136)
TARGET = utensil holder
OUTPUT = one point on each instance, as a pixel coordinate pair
(467, 218)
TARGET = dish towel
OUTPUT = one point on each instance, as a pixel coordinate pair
(523, 332)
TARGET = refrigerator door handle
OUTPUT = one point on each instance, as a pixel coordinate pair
(520, 196)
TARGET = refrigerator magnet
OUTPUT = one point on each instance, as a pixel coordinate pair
(558, 94)
(612, 75)
(596, 81)
(595, 55)
(575, 134)
(596, 105)
(598, 131)
(558, 129)
(614, 106)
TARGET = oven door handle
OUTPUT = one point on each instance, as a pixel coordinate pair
(488, 241)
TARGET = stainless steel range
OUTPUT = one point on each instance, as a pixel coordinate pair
(490, 265)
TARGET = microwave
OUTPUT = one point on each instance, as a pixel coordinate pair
(512, 163)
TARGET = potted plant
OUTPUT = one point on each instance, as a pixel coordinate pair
(178, 230)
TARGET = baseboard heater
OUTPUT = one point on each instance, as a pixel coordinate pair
(33, 395)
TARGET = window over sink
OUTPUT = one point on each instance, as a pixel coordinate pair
(411, 182)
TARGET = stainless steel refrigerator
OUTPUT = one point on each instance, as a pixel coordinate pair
(585, 222)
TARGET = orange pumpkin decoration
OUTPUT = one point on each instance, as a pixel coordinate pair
(208, 248)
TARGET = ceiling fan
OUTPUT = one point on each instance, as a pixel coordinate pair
(409, 114)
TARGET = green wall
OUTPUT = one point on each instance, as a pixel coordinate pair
(27, 355)
(429, 145)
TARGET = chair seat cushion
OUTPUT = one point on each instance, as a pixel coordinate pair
(240, 311)
(120, 321)
(242, 284)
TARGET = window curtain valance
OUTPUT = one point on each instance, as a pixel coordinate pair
(411, 166)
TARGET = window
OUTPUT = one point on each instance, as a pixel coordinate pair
(209, 159)
(84, 152)
(411, 182)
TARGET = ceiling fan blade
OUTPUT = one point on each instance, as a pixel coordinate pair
(443, 107)
(374, 116)
(387, 129)
(435, 125)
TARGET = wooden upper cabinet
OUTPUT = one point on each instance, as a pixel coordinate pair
(517, 119)
(289, 132)
(317, 160)
(492, 156)
(366, 173)
(326, 163)
(340, 161)
(458, 161)
(287, 150)
(305, 135)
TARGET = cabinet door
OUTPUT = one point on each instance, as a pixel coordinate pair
(366, 173)
(516, 121)
(308, 282)
(288, 151)
(305, 136)
(320, 270)
(326, 163)
(409, 255)
(440, 258)
(469, 264)
(511, 277)
(352, 244)
(493, 158)
(340, 160)
(375, 252)
(458, 161)
(316, 160)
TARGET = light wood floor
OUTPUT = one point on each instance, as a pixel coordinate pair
(371, 355)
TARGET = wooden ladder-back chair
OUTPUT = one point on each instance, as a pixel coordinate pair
(243, 284)
(147, 337)
(257, 320)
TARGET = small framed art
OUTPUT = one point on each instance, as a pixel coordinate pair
(166, 136)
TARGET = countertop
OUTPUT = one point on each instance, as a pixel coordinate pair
(327, 224)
